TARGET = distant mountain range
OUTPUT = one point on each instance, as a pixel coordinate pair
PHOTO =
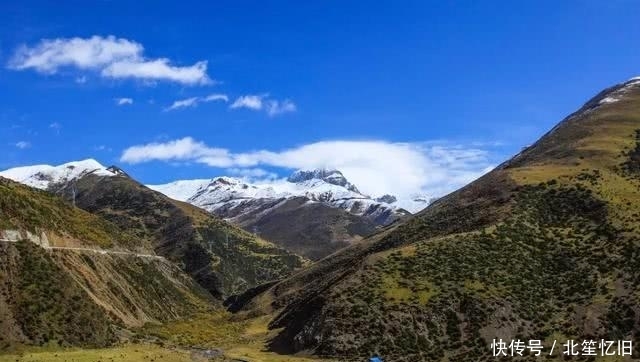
(544, 247)
(87, 248)
(158, 223)
(327, 186)
(312, 213)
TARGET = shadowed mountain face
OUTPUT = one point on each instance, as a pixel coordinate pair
(222, 258)
(311, 213)
(159, 259)
(544, 247)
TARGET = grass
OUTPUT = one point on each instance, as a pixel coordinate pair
(148, 352)
(214, 330)
(25, 208)
(49, 306)
(137, 352)
(394, 292)
(243, 339)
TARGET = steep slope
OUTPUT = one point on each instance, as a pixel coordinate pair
(223, 259)
(545, 247)
(69, 277)
(312, 213)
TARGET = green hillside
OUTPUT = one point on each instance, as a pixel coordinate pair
(24, 208)
(546, 246)
(222, 258)
(74, 296)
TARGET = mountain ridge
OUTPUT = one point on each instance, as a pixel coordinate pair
(312, 213)
(59, 285)
(544, 245)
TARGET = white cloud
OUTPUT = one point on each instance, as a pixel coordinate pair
(252, 173)
(183, 103)
(275, 108)
(184, 149)
(81, 79)
(22, 145)
(249, 101)
(258, 102)
(216, 97)
(158, 69)
(376, 167)
(123, 101)
(194, 101)
(112, 57)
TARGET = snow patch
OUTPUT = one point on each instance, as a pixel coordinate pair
(326, 186)
(42, 176)
(608, 100)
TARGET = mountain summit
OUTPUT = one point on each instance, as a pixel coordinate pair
(333, 177)
(544, 247)
(312, 213)
(210, 250)
(44, 176)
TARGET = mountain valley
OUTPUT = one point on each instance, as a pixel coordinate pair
(311, 213)
(546, 246)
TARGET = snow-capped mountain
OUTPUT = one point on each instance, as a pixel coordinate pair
(312, 213)
(44, 176)
(231, 197)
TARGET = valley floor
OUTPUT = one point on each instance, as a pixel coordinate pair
(182, 341)
(150, 352)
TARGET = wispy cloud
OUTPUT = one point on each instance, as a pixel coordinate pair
(216, 97)
(259, 102)
(194, 101)
(123, 101)
(109, 56)
(22, 145)
(55, 126)
(249, 101)
(376, 167)
(275, 108)
(251, 173)
(102, 148)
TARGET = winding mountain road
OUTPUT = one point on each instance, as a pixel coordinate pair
(97, 251)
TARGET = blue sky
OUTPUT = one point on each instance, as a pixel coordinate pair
(416, 95)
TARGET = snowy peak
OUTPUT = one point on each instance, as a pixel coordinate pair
(44, 176)
(231, 197)
(117, 171)
(333, 177)
(614, 94)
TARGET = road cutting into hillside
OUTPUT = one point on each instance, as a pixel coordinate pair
(97, 251)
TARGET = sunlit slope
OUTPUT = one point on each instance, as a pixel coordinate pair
(222, 258)
(26, 209)
(56, 289)
(544, 247)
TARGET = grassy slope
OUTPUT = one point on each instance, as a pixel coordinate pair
(544, 247)
(24, 208)
(73, 298)
(222, 258)
(45, 303)
(239, 340)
